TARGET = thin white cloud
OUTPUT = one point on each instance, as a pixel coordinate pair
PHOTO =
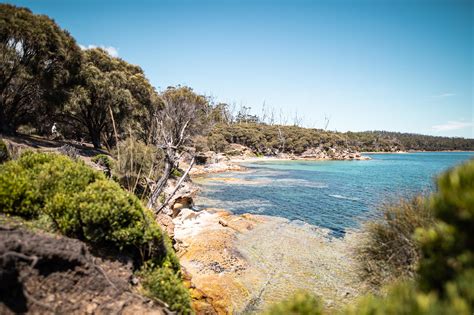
(445, 95)
(110, 49)
(453, 125)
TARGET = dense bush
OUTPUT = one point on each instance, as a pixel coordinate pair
(448, 247)
(105, 162)
(4, 154)
(300, 304)
(80, 202)
(405, 298)
(137, 162)
(166, 285)
(30, 183)
(389, 250)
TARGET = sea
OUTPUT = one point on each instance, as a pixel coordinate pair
(335, 195)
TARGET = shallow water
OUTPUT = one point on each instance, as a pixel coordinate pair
(332, 194)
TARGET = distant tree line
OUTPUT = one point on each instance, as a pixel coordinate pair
(273, 139)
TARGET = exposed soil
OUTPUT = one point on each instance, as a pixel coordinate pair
(42, 273)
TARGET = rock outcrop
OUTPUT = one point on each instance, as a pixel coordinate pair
(244, 263)
(321, 153)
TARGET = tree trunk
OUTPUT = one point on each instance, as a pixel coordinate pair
(6, 126)
(95, 138)
(161, 183)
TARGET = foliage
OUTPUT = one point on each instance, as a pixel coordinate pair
(137, 163)
(404, 298)
(4, 154)
(183, 108)
(448, 247)
(389, 250)
(273, 139)
(165, 284)
(40, 62)
(80, 202)
(393, 141)
(29, 183)
(105, 162)
(111, 91)
(300, 304)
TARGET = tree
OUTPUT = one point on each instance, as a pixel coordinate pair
(38, 63)
(184, 114)
(112, 94)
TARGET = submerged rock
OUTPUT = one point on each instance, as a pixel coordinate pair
(244, 263)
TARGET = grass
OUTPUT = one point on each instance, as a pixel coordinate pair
(389, 250)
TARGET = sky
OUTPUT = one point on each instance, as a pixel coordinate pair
(400, 65)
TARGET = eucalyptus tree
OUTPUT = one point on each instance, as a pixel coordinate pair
(38, 62)
(184, 114)
(112, 95)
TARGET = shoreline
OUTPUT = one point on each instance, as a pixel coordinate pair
(244, 263)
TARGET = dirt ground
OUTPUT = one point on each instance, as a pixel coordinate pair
(42, 273)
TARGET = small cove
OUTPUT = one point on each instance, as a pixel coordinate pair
(335, 195)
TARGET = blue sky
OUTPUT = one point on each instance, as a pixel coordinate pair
(368, 65)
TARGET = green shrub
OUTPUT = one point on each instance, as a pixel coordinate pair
(301, 303)
(165, 284)
(136, 162)
(389, 249)
(28, 183)
(17, 194)
(444, 283)
(80, 201)
(176, 173)
(105, 161)
(405, 298)
(4, 154)
(448, 247)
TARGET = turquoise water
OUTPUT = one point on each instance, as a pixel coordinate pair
(332, 194)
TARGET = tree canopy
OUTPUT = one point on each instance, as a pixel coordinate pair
(38, 64)
(111, 96)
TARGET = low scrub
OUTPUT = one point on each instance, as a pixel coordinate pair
(136, 164)
(81, 203)
(301, 303)
(389, 250)
(166, 285)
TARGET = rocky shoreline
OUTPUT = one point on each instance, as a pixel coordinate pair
(211, 162)
(244, 263)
